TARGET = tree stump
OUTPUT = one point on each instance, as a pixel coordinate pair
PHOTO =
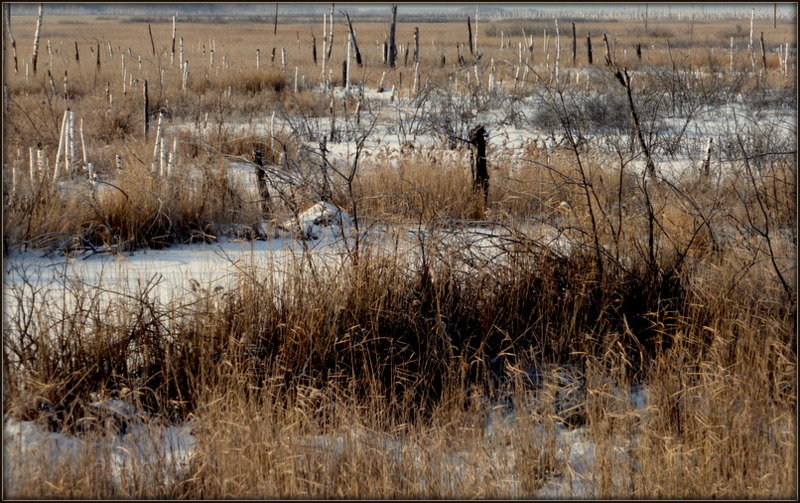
(261, 180)
(480, 173)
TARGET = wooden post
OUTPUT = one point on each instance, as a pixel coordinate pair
(763, 53)
(639, 50)
(314, 48)
(416, 44)
(574, 44)
(261, 180)
(146, 107)
(589, 47)
(174, 27)
(77, 54)
(98, 56)
(275, 25)
(707, 162)
(392, 56)
(480, 173)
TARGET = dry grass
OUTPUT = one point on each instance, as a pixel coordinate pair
(374, 377)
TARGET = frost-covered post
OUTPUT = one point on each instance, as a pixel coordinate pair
(295, 78)
(258, 59)
(272, 132)
(83, 143)
(416, 78)
(61, 139)
(180, 52)
(173, 155)
(31, 163)
(35, 53)
(730, 69)
(185, 76)
(283, 57)
(162, 160)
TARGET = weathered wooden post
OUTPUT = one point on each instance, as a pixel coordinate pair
(392, 50)
(574, 44)
(480, 173)
(261, 180)
(589, 47)
(416, 44)
(146, 108)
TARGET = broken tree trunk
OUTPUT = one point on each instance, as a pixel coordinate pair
(469, 33)
(35, 53)
(355, 42)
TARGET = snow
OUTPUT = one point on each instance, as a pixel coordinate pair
(146, 447)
